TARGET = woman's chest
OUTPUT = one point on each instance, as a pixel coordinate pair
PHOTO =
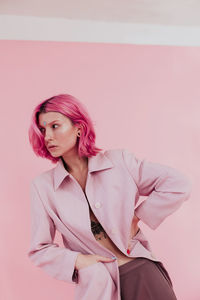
(98, 231)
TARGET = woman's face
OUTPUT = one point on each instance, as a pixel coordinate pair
(58, 130)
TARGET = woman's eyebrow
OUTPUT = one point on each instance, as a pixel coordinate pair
(49, 123)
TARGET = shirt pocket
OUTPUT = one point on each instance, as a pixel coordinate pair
(94, 282)
(86, 273)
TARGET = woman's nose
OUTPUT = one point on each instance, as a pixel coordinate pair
(48, 137)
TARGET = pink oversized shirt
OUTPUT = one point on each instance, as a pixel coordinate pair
(116, 179)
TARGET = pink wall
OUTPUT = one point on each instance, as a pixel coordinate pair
(144, 98)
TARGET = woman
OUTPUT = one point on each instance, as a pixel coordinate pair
(90, 198)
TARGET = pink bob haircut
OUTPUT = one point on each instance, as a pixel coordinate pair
(72, 108)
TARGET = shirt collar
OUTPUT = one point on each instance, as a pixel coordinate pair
(95, 163)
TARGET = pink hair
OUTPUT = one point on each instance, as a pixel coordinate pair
(72, 108)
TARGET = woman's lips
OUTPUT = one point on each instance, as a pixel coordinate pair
(52, 147)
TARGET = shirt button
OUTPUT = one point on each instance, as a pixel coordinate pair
(97, 204)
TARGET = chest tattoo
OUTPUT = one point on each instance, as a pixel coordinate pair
(97, 230)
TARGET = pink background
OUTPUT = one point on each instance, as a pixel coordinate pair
(144, 98)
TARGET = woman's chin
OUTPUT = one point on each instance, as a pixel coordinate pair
(55, 154)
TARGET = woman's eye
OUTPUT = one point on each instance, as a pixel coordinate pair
(42, 129)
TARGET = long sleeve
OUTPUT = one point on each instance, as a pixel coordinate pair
(165, 187)
(57, 262)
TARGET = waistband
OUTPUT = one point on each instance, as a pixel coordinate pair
(133, 264)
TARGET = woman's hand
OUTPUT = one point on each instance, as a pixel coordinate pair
(135, 223)
(136, 219)
(134, 229)
(84, 260)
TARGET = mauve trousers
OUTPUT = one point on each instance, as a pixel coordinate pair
(144, 279)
